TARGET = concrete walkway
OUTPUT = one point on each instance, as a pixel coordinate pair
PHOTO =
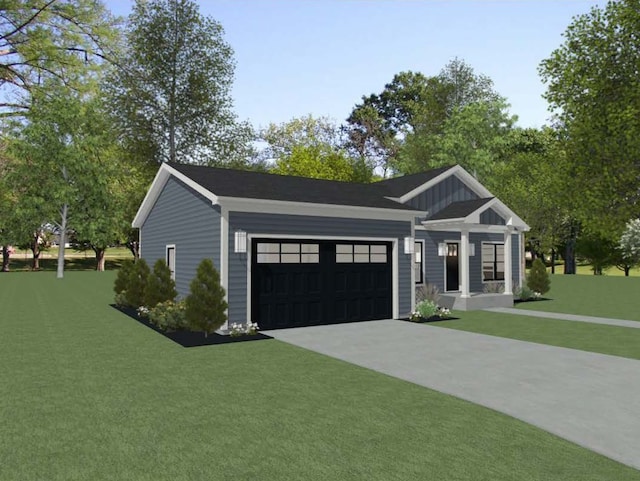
(590, 399)
(566, 317)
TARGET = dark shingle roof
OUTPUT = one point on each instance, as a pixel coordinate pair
(259, 185)
(398, 186)
(456, 210)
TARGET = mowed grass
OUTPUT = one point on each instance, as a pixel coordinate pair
(600, 296)
(89, 394)
(600, 338)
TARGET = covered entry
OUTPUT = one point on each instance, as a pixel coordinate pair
(308, 282)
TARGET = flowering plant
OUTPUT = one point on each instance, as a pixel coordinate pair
(248, 329)
(537, 295)
(444, 312)
(143, 311)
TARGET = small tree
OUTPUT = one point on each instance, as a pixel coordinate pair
(205, 304)
(629, 245)
(160, 286)
(538, 278)
(122, 279)
(138, 279)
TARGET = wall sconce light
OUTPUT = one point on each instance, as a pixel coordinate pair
(409, 245)
(240, 241)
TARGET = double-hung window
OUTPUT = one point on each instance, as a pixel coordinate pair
(418, 266)
(492, 262)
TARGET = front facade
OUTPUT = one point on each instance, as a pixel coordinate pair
(297, 252)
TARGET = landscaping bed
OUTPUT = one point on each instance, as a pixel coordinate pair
(191, 338)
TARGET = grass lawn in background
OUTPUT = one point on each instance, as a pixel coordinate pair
(88, 393)
(600, 296)
(604, 339)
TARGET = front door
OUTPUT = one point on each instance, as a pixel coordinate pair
(452, 269)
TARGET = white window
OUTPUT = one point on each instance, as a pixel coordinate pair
(171, 260)
(492, 262)
(287, 253)
(361, 253)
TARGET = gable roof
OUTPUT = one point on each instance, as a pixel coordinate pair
(460, 209)
(260, 185)
(398, 186)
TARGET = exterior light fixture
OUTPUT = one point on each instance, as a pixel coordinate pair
(240, 241)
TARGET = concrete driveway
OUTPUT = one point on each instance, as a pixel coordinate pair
(590, 399)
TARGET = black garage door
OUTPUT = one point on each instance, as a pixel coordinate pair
(303, 283)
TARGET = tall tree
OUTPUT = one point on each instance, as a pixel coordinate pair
(312, 147)
(593, 88)
(49, 39)
(415, 106)
(171, 90)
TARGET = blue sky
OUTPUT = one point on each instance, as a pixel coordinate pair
(320, 57)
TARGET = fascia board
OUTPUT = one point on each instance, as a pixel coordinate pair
(240, 204)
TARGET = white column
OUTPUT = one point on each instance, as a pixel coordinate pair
(224, 256)
(464, 263)
(523, 262)
(508, 262)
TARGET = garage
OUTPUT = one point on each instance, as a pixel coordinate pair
(298, 283)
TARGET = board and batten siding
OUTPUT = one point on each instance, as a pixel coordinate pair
(435, 264)
(186, 219)
(491, 217)
(310, 227)
(441, 195)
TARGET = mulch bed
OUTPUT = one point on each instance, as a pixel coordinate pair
(430, 319)
(189, 338)
(520, 301)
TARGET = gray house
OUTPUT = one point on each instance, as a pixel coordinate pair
(293, 251)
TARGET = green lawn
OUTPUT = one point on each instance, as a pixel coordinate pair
(88, 394)
(602, 296)
(617, 341)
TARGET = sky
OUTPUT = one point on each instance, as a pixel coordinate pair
(319, 57)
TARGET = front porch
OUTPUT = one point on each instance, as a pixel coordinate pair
(478, 300)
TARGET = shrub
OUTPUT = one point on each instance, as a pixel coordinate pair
(523, 293)
(121, 299)
(160, 286)
(538, 278)
(248, 329)
(137, 283)
(122, 279)
(428, 292)
(205, 304)
(427, 309)
(168, 316)
(493, 288)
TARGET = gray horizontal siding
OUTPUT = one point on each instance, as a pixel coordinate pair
(441, 195)
(435, 265)
(182, 217)
(299, 225)
(491, 217)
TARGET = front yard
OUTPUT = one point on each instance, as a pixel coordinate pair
(87, 393)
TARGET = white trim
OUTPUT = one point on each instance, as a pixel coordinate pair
(139, 243)
(224, 256)
(421, 188)
(457, 226)
(160, 180)
(523, 261)
(501, 243)
(264, 206)
(166, 258)
(472, 221)
(413, 266)
(508, 263)
(464, 265)
(395, 294)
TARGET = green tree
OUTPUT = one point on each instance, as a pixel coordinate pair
(538, 278)
(61, 40)
(160, 286)
(171, 90)
(312, 147)
(599, 251)
(205, 305)
(592, 85)
(122, 278)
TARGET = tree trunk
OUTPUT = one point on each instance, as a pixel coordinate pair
(6, 258)
(553, 261)
(626, 270)
(35, 250)
(100, 258)
(134, 247)
(63, 240)
(570, 254)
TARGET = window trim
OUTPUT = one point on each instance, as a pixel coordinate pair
(169, 247)
(495, 261)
